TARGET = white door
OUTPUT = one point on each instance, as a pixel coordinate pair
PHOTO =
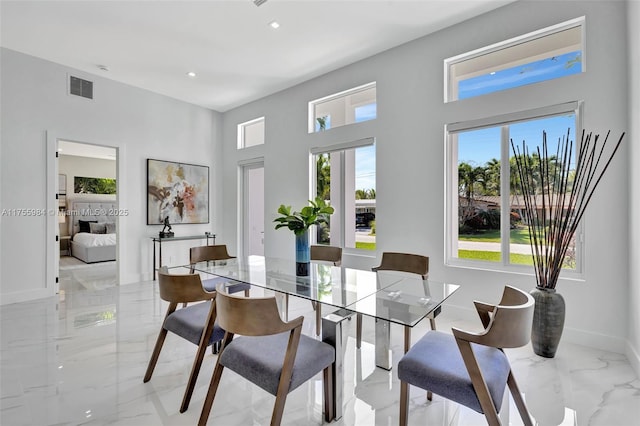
(253, 212)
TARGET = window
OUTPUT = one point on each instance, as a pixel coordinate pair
(251, 133)
(546, 54)
(485, 219)
(351, 106)
(345, 176)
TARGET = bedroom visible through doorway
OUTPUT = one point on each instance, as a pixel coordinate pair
(87, 216)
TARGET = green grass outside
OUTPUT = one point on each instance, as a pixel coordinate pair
(366, 246)
(518, 236)
(494, 256)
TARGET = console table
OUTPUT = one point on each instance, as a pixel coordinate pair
(159, 241)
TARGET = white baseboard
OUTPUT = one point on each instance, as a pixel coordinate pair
(25, 296)
(633, 357)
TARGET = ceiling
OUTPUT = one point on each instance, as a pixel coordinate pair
(236, 55)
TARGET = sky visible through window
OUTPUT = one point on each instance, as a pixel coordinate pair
(366, 156)
(533, 72)
(480, 146)
(477, 147)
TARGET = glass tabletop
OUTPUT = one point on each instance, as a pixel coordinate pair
(331, 285)
(396, 297)
(406, 302)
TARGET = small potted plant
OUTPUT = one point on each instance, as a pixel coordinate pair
(299, 222)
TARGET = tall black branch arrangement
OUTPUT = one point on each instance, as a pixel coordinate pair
(556, 202)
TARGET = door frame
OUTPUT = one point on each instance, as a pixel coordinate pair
(243, 193)
(52, 242)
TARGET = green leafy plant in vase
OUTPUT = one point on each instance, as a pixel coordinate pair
(317, 212)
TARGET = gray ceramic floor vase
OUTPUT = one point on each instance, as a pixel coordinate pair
(548, 321)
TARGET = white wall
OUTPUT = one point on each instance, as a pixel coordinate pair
(36, 110)
(72, 166)
(633, 25)
(410, 155)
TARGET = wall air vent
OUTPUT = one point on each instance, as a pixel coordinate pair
(80, 87)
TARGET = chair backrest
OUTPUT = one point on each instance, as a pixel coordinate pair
(508, 324)
(327, 253)
(181, 288)
(250, 316)
(404, 262)
(203, 253)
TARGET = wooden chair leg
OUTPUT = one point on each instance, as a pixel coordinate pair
(478, 382)
(517, 398)
(195, 370)
(155, 355)
(358, 330)
(404, 403)
(211, 394)
(278, 408)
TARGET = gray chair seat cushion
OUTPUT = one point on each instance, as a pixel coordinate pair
(434, 363)
(189, 322)
(236, 286)
(259, 359)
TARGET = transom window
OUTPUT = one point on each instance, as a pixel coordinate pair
(542, 55)
(345, 176)
(251, 133)
(348, 107)
(485, 217)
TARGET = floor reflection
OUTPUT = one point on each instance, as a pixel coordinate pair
(79, 359)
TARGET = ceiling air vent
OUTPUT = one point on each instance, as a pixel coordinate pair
(80, 87)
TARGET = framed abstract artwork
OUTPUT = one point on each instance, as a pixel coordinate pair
(177, 191)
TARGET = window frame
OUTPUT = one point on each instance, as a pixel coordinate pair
(451, 81)
(451, 186)
(340, 95)
(241, 132)
(341, 201)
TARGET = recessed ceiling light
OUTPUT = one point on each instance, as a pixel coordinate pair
(274, 24)
(191, 74)
(103, 67)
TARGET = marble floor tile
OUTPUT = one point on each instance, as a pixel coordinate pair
(79, 359)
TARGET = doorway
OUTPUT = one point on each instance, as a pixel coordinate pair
(87, 173)
(252, 212)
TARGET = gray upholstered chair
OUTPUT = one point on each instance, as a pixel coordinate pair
(401, 262)
(471, 368)
(329, 254)
(214, 253)
(272, 354)
(195, 323)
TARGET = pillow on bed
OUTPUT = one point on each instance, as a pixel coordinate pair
(111, 228)
(98, 228)
(84, 225)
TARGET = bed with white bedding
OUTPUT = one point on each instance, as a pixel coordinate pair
(92, 229)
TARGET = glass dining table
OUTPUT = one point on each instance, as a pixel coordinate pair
(387, 296)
